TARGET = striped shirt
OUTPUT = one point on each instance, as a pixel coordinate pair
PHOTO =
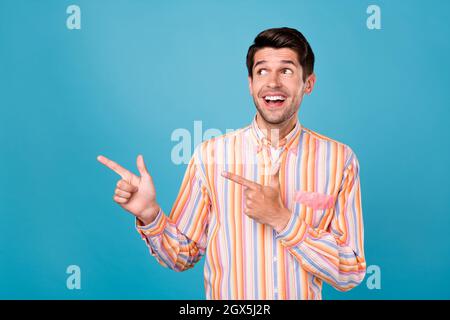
(323, 240)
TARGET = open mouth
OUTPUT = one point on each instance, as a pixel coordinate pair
(274, 101)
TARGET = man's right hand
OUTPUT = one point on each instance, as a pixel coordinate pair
(135, 194)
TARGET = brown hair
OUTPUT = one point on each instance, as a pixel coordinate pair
(283, 38)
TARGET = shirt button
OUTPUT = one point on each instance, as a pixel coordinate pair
(275, 259)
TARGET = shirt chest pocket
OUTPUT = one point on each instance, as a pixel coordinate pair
(314, 207)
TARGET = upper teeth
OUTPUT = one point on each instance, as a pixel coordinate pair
(274, 98)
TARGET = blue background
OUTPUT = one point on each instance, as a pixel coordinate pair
(138, 70)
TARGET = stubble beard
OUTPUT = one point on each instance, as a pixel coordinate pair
(276, 120)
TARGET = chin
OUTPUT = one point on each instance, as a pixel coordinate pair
(276, 119)
(272, 119)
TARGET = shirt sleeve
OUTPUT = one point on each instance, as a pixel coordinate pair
(179, 241)
(335, 255)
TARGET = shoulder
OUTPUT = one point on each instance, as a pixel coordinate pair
(223, 139)
(216, 149)
(340, 149)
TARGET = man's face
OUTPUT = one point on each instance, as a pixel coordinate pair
(277, 84)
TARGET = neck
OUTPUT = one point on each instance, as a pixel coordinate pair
(276, 132)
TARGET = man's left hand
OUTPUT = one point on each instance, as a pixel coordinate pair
(263, 203)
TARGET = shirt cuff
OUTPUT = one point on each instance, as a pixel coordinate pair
(154, 228)
(294, 232)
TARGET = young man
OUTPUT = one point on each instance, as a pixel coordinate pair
(274, 206)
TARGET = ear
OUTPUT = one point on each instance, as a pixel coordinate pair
(309, 83)
(250, 87)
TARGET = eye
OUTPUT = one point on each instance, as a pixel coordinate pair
(287, 71)
(262, 72)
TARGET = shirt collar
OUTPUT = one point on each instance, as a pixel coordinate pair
(290, 141)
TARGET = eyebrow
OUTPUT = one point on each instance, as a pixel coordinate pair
(282, 61)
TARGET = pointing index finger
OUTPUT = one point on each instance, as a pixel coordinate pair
(240, 180)
(117, 168)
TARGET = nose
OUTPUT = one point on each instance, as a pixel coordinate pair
(274, 81)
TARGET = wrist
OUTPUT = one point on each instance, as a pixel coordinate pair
(149, 214)
(285, 216)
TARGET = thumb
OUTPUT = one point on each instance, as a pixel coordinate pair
(141, 166)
